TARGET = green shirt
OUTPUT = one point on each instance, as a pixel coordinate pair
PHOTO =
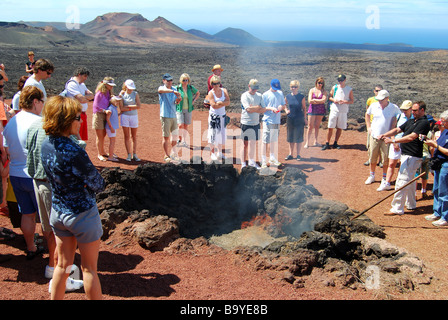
(191, 91)
(36, 135)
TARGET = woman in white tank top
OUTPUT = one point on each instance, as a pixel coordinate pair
(219, 99)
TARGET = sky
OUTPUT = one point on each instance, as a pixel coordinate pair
(420, 23)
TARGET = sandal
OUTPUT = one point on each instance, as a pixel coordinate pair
(101, 158)
(30, 255)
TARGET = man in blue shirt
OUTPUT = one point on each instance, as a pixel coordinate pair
(168, 98)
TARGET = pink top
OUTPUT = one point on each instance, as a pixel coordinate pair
(101, 101)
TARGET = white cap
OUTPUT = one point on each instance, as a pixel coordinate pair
(130, 84)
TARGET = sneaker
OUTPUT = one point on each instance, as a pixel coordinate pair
(440, 223)
(336, 146)
(275, 162)
(167, 159)
(370, 180)
(70, 285)
(298, 158)
(136, 158)
(326, 146)
(367, 163)
(432, 217)
(254, 164)
(49, 272)
(243, 165)
(264, 165)
(289, 157)
(129, 158)
(385, 186)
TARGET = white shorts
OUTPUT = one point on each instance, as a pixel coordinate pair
(129, 121)
(110, 134)
(337, 120)
(394, 154)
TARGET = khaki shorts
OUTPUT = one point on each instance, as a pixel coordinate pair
(169, 125)
(43, 196)
(378, 147)
(99, 121)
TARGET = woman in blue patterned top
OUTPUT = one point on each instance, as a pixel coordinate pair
(74, 182)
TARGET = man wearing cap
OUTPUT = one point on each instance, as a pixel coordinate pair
(411, 156)
(77, 89)
(217, 70)
(384, 117)
(369, 101)
(341, 97)
(275, 103)
(168, 98)
(252, 105)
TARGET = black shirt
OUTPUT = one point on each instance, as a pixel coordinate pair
(419, 126)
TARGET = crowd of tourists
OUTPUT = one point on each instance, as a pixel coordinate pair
(46, 171)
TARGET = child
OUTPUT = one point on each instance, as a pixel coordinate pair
(112, 124)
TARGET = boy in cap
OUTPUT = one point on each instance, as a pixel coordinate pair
(168, 98)
(275, 103)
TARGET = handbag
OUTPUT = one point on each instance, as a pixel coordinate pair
(435, 163)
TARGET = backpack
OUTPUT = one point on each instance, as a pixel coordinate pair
(335, 88)
(65, 91)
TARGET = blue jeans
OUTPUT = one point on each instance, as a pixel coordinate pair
(440, 191)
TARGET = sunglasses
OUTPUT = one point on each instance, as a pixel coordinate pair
(293, 87)
(215, 84)
(320, 83)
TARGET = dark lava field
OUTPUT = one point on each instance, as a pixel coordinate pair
(413, 76)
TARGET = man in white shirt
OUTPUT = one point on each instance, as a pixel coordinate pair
(77, 89)
(384, 114)
(252, 105)
(43, 69)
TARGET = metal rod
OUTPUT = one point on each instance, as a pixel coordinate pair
(377, 203)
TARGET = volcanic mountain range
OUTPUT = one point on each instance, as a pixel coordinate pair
(118, 28)
(127, 29)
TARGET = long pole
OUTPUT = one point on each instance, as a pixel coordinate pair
(377, 203)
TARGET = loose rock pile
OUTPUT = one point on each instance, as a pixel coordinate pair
(165, 206)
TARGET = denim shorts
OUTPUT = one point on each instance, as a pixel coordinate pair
(85, 227)
(24, 192)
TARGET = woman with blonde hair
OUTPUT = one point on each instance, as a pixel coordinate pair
(74, 182)
(295, 120)
(189, 95)
(317, 97)
(103, 94)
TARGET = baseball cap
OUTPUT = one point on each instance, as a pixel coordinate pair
(341, 77)
(275, 84)
(406, 105)
(383, 94)
(167, 76)
(130, 84)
